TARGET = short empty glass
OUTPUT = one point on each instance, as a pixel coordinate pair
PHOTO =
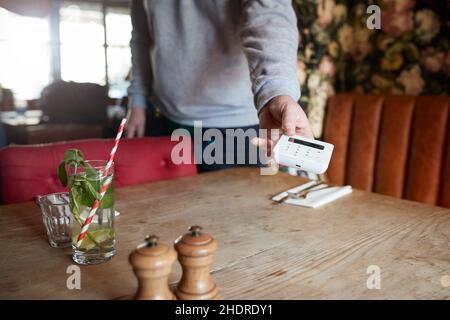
(57, 218)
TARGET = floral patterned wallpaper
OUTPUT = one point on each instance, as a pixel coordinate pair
(410, 54)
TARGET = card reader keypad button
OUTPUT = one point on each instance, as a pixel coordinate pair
(306, 152)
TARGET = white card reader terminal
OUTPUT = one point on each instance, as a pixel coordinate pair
(303, 153)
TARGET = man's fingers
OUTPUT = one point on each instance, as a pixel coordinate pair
(135, 130)
(140, 131)
(302, 126)
(259, 142)
(286, 114)
(295, 122)
(136, 122)
(273, 135)
(131, 130)
(264, 144)
(289, 117)
(305, 132)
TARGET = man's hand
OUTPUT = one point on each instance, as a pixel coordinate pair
(136, 123)
(285, 114)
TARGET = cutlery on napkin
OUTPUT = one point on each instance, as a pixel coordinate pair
(312, 194)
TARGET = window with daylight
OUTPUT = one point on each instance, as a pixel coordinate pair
(91, 44)
(25, 64)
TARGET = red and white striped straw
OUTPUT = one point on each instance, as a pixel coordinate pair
(105, 185)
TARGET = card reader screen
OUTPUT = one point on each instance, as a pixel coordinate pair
(306, 143)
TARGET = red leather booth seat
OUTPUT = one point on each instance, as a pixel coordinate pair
(395, 145)
(27, 171)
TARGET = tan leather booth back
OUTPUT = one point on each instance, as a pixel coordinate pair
(395, 145)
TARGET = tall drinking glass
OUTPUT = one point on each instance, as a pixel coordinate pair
(84, 187)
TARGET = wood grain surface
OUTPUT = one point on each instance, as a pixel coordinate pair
(266, 251)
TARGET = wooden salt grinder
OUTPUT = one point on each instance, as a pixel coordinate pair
(195, 253)
(152, 263)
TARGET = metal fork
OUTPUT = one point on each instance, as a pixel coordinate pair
(288, 195)
(304, 193)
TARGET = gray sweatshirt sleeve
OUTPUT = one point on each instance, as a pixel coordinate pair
(269, 38)
(140, 53)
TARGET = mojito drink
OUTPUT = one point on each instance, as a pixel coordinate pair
(85, 182)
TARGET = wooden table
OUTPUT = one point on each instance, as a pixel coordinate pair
(266, 251)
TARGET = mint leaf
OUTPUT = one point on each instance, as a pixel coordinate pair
(91, 173)
(91, 189)
(62, 173)
(89, 192)
(72, 158)
(74, 155)
(76, 193)
(85, 189)
(108, 198)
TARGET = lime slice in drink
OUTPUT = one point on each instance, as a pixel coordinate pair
(100, 236)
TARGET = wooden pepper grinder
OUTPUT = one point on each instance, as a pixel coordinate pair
(195, 253)
(152, 263)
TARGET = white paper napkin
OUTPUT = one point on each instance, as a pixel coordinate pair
(314, 199)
